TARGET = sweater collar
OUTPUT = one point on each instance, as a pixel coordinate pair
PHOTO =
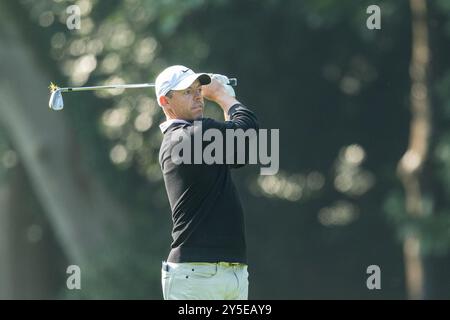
(166, 124)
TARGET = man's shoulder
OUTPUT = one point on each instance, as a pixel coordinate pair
(203, 122)
(176, 130)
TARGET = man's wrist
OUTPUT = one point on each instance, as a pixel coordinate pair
(226, 102)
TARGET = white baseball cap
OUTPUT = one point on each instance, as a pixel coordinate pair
(177, 78)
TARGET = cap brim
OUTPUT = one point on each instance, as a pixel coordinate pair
(204, 79)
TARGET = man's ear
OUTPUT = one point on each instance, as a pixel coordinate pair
(163, 101)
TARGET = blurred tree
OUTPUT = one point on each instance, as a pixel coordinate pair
(30, 264)
(426, 232)
(413, 160)
(91, 226)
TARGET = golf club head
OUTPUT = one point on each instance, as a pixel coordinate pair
(56, 101)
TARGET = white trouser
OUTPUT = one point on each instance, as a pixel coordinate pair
(204, 281)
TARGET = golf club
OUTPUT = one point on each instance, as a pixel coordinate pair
(56, 100)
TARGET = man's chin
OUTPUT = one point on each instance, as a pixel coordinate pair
(197, 112)
(198, 115)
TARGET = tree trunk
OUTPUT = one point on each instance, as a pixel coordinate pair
(87, 220)
(28, 250)
(5, 246)
(411, 165)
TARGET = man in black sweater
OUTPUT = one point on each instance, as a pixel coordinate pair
(207, 259)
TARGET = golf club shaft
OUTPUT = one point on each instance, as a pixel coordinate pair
(112, 86)
(232, 82)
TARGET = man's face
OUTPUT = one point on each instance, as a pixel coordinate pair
(186, 104)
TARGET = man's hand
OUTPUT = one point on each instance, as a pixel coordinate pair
(218, 93)
(225, 81)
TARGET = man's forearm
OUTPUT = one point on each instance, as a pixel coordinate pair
(226, 102)
(217, 93)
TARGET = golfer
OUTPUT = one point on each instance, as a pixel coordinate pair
(208, 257)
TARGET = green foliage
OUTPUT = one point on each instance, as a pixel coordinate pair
(8, 157)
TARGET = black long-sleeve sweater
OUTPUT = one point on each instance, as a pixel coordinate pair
(208, 219)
